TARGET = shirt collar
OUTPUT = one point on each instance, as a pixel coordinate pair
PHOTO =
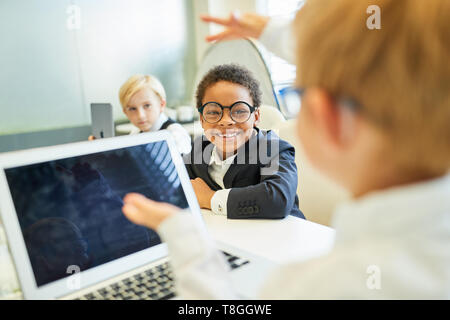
(217, 159)
(158, 124)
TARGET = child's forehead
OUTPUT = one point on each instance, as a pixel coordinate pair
(226, 88)
(227, 84)
(142, 94)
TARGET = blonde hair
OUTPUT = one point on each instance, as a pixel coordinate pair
(399, 74)
(138, 82)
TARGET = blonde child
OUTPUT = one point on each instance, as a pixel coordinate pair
(143, 100)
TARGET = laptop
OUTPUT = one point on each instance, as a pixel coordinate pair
(61, 210)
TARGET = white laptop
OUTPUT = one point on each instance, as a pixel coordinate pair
(61, 210)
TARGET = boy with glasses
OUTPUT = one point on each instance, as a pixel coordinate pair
(236, 169)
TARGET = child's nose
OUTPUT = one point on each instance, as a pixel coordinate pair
(141, 113)
(226, 118)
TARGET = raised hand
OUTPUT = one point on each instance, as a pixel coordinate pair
(237, 26)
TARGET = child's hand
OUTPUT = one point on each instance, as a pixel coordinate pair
(203, 193)
(145, 212)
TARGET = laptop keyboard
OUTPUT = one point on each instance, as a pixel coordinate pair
(153, 284)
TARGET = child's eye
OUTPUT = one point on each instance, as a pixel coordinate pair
(146, 106)
(132, 109)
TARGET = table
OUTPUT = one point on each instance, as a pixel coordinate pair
(280, 241)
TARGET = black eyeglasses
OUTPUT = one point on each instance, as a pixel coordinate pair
(240, 111)
(292, 101)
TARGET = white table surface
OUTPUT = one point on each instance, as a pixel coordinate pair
(280, 241)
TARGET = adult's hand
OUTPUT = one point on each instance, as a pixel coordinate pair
(145, 212)
(237, 26)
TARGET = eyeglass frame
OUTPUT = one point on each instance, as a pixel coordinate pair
(252, 109)
(346, 101)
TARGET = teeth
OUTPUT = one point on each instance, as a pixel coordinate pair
(229, 135)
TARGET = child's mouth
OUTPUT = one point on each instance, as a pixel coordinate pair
(228, 135)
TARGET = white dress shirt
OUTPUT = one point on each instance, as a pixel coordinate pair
(180, 135)
(217, 169)
(391, 244)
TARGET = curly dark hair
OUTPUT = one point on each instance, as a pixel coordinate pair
(232, 73)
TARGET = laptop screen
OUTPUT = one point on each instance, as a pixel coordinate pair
(69, 210)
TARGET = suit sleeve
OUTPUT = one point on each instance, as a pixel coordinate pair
(273, 197)
(188, 165)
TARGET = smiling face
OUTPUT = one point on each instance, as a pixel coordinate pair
(227, 135)
(143, 109)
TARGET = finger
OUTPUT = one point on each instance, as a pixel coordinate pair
(141, 202)
(235, 16)
(221, 21)
(200, 182)
(147, 205)
(133, 196)
(133, 214)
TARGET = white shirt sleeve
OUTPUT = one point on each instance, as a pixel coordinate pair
(181, 137)
(278, 37)
(201, 270)
(219, 202)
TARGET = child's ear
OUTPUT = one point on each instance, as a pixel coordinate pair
(329, 118)
(163, 104)
(257, 117)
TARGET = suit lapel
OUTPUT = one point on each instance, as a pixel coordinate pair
(202, 169)
(231, 174)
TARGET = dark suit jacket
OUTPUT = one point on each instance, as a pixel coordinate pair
(262, 178)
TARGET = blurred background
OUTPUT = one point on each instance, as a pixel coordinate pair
(57, 57)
